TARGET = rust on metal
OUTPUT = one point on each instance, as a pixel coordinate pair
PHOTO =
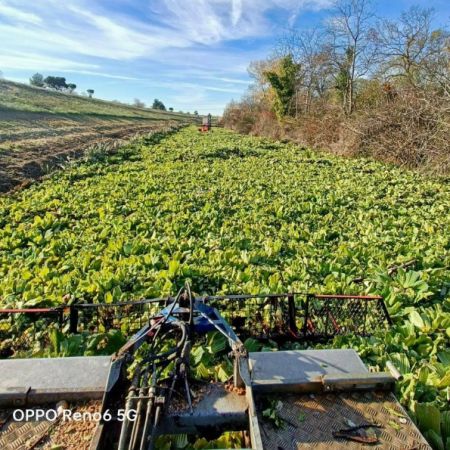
(317, 417)
(364, 434)
(362, 297)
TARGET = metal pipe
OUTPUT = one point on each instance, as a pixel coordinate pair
(150, 403)
(188, 394)
(128, 406)
(151, 445)
(137, 422)
(146, 424)
(394, 371)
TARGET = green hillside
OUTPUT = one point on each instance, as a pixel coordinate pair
(22, 97)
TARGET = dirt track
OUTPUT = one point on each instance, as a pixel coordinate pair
(32, 143)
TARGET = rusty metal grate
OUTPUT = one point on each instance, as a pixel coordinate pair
(327, 316)
(302, 316)
(259, 317)
(127, 317)
(311, 419)
(25, 434)
(26, 326)
(279, 317)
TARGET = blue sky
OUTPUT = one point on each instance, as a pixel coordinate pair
(191, 54)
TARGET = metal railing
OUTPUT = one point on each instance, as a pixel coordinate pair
(291, 316)
(20, 329)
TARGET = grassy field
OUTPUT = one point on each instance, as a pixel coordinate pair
(40, 127)
(23, 97)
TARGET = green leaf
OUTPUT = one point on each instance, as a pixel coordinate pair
(251, 345)
(394, 425)
(225, 372)
(401, 362)
(218, 343)
(393, 411)
(435, 440)
(86, 262)
(201, 444)
(417, 320)
(116, 341)
(174, 267)
(444, 358)
(423, 374)
(197, 355)
(56, 337)
(445, 425)
(180, 440)
(202, 372)
(444, 382)
(429, 417)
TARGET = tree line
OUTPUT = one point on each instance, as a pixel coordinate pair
(157, 104)
(60, 84)
(357, 84)
(56, 83)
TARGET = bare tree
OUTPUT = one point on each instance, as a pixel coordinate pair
(308, 50)
(138, 103)
(350, 45)
(413, 50)
(256, 71)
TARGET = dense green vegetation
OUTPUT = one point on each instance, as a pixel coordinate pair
(233, 214)
(236, 214)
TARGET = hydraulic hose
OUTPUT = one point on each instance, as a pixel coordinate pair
(191, 307)
(178, 348)
(140, 382)
(151, 445)
(166, 317)
(140, 405)
(125, 431)
(148, 412)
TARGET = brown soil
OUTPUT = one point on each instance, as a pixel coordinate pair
(67, 435)
(32, 144)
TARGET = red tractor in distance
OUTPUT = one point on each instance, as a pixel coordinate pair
(206, 124)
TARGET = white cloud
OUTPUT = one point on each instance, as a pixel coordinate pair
(82, 27)
(224, 80)
(126, 41)
(103, 75)
(17, 15)
(190, 87)
(220, 89)
(28, 61)
(236, 11)
(211, 21)
(178, 42)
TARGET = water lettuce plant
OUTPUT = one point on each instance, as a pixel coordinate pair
(238, 214)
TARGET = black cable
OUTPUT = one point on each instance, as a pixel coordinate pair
(161, 361)
(176, 349)
(191, 306)
(166, 317)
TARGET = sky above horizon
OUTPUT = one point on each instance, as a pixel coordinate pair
(191, 54)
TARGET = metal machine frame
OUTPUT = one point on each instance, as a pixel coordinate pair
(329, 385)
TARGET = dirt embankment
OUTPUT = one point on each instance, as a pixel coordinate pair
(32, 143)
